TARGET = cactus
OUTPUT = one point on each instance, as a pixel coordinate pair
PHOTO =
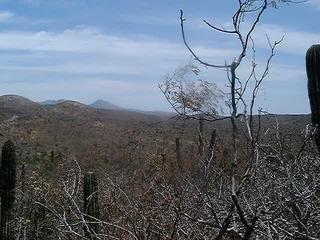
(201, 144)
(313, 73)
(7, 193)
(52, 156)
(212, 141)
(178, 153)
(90, 204)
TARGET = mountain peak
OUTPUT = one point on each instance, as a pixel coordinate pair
(102, 104)
(14, 105)
(11, 100)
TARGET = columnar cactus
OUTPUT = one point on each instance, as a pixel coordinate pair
(7, 190)
(52, 156)
(212, 141)
(178, 152)
(313, 72)
(90, 204)
(201, 144)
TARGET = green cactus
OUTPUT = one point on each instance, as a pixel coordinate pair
(178, 153)
(201, 144)
(313, 73)
(212, 141)
(7, 193)
(90, 204)
(52, 156)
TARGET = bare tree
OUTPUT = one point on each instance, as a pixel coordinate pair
(255, 185)
(238, 215)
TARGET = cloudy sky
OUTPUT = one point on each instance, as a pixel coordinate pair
(120, 50)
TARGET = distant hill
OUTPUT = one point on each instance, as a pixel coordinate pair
(106, 105)
(71, 109)
(13, 105)
(15, 100)
(53, 102)
(101, 135)
(102, 104)
(155, 113)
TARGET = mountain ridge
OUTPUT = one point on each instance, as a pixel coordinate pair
(52, 102)
(13, 105)
(103, 104)
(106, 105)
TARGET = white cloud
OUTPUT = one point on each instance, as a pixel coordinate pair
(314, 3)
(88, 40)
(295, 42)
(95, 52)
(52, 63)
(67, 64)
(6, 16)
(76, 68)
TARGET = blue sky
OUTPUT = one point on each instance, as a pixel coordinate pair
(120, 50)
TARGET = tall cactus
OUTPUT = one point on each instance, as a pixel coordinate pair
(178, 153)
(200, 132)
(7, 187)
(90, 204)
(212, 141)
(313, 73)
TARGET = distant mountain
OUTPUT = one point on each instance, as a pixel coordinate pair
(13, 106)
(78, 126)
(72, 110)
(53, 102)
(102, 104)
(17, 106)
(10, 100)
(155, 113)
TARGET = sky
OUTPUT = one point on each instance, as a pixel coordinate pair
(121, 50)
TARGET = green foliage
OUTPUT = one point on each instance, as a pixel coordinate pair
(8, 184)
(313, 72)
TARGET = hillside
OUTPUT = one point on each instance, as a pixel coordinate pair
(17, 106)
(53, 102)
(94, 135)
(102, 104)
(56, 144)
(106, 105)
